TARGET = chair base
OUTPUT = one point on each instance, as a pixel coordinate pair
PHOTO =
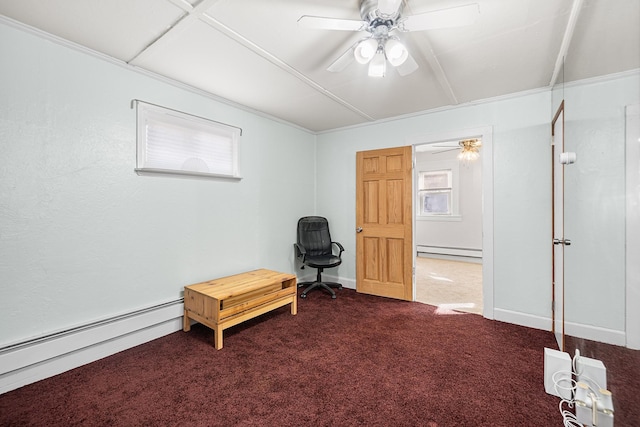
(321, 285)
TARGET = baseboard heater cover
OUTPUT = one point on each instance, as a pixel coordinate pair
(36, 359)
(443, 250)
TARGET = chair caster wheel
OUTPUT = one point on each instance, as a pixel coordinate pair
(333, 297)
(303, 296)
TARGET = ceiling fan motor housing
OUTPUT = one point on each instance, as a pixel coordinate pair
(368, 12)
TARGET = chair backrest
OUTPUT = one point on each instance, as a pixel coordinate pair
(314, 236)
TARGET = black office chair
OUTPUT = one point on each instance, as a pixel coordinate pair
(315, 249)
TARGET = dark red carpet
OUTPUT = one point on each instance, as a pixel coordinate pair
(355, 361)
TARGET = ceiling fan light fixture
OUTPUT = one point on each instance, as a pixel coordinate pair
(365, 50)
(469, 152)
(378, 65)
(468, 156)
(396, 52)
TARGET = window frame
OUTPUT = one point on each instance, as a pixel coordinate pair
(196, 145)
(432, 168)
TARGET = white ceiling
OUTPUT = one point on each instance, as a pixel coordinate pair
(252, 52)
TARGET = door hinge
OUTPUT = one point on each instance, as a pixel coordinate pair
(565, 242)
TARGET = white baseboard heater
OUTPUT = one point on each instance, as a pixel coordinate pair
(34, 360)
(451, 251)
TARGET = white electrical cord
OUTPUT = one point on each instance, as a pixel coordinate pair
(569, 418)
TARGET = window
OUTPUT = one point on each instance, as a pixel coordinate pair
(435, 192)
(172, 142)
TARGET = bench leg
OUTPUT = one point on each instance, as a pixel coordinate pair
(294, 305)
(186, 322)
(217, 338)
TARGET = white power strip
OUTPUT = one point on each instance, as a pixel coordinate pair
(590, 371)
(557, 370)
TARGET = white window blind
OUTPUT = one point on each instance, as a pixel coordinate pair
(172, 142)
(435, 192)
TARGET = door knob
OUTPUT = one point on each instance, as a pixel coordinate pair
(359, 230)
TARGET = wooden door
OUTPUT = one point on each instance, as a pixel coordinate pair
(384, 227)
(557, 266)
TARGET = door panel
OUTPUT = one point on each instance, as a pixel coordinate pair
(384, 261)
(371, 257)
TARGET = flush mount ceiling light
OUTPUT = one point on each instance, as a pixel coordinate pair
(380, 18)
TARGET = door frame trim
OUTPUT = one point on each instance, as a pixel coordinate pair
(632, 330)
(486, 156)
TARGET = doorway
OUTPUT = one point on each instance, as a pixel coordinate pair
(455, 274)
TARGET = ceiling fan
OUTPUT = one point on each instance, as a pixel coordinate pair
(469, 149)
(382, 19)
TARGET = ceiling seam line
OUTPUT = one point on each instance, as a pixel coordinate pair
(441, 76)
(435, 65)
(154, 41)
(192, 13)
(182, 4)
(566, 40)
(219, 26)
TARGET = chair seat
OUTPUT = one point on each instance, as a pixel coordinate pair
(323, 261)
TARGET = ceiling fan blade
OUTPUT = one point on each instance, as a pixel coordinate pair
(443, 18)
(322, 23)
(343, 61)
(388, 7)
(444, 151)
(407, 67)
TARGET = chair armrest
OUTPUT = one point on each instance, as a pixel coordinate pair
(301, 252)
(339, 246)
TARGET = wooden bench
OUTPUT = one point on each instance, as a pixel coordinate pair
(223, 303)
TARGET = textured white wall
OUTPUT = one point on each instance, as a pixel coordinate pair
(520, 153)
(82, 237)
(522, 199)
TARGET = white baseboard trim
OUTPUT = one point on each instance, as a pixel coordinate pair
(522, 319)
(578, 330)
(441, 250)
(35, 360)
(595, 333)
(346, 283)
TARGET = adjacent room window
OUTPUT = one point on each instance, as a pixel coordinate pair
(435, 192)
(172, 142)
